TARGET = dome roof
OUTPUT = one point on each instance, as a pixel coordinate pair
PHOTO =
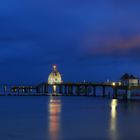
(54, 77)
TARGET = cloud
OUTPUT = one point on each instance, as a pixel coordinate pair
(115, 47)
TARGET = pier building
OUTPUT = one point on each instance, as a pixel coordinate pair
(54, 78)
(129, 80)
(126, 88)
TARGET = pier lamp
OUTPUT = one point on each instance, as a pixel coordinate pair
(54, 88)
(113, 84)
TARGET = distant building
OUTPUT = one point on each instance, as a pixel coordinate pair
(55, 76)
(129, 80)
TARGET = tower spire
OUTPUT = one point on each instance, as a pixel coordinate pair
(54, 68)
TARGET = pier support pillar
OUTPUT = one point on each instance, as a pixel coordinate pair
(60, 89)
(69, 89)
(128, 94)
(86, 90)
(115, 93)
(94, 91)
(46, 88)
(42, 88)
(5, 89)
(18, 90)
(78, 90)
(103, 91)
(38, 89)
(31, 89)
(65, 90)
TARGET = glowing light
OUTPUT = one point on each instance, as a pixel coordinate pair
(54, 88)
(113, 84)
(54, 77)
(120, 83)
(54, 67)
(54, 118)
(114, 104)
(113, 121)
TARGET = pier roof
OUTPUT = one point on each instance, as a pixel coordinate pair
(126, 76)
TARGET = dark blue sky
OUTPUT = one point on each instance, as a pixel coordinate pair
(90, 40)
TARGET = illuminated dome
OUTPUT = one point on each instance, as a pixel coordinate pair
(54, 77)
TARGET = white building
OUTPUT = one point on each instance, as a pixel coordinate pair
(54, 77)
(129, 80)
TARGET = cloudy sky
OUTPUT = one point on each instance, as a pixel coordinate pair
(91, 40)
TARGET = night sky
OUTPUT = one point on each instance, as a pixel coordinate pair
(92, 40)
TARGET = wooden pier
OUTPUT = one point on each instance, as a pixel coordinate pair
(63, 89)
(72, 89)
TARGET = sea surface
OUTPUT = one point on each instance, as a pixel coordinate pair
(68, 118)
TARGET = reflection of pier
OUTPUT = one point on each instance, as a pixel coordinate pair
(72, 89)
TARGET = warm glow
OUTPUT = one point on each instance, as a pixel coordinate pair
(54, 76)
(54, 118)
(113, 108)
(54, 88)
(113, 83)
(114, 104)
(54, 106)
(54, 66)
(113, 120)
(119, 83)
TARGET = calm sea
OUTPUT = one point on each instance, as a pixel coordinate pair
(68, 118)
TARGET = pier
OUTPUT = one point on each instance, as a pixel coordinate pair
(109, 90)
(55, 86)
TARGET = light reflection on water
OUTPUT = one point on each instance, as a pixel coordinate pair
(54, 118)
(68, 118)
(113, 121)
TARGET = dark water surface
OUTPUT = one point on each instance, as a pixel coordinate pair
(68, 118)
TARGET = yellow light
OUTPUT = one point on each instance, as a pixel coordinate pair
(54, 118)
(54, 76)
(113, 108)
(119, 83)
(113, 84)
(114, 104)
(54, 88)
(113, 120)
(54, 66)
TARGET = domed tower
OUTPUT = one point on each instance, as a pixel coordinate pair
(55, 76)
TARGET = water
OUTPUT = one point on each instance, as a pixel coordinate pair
(68, 118)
